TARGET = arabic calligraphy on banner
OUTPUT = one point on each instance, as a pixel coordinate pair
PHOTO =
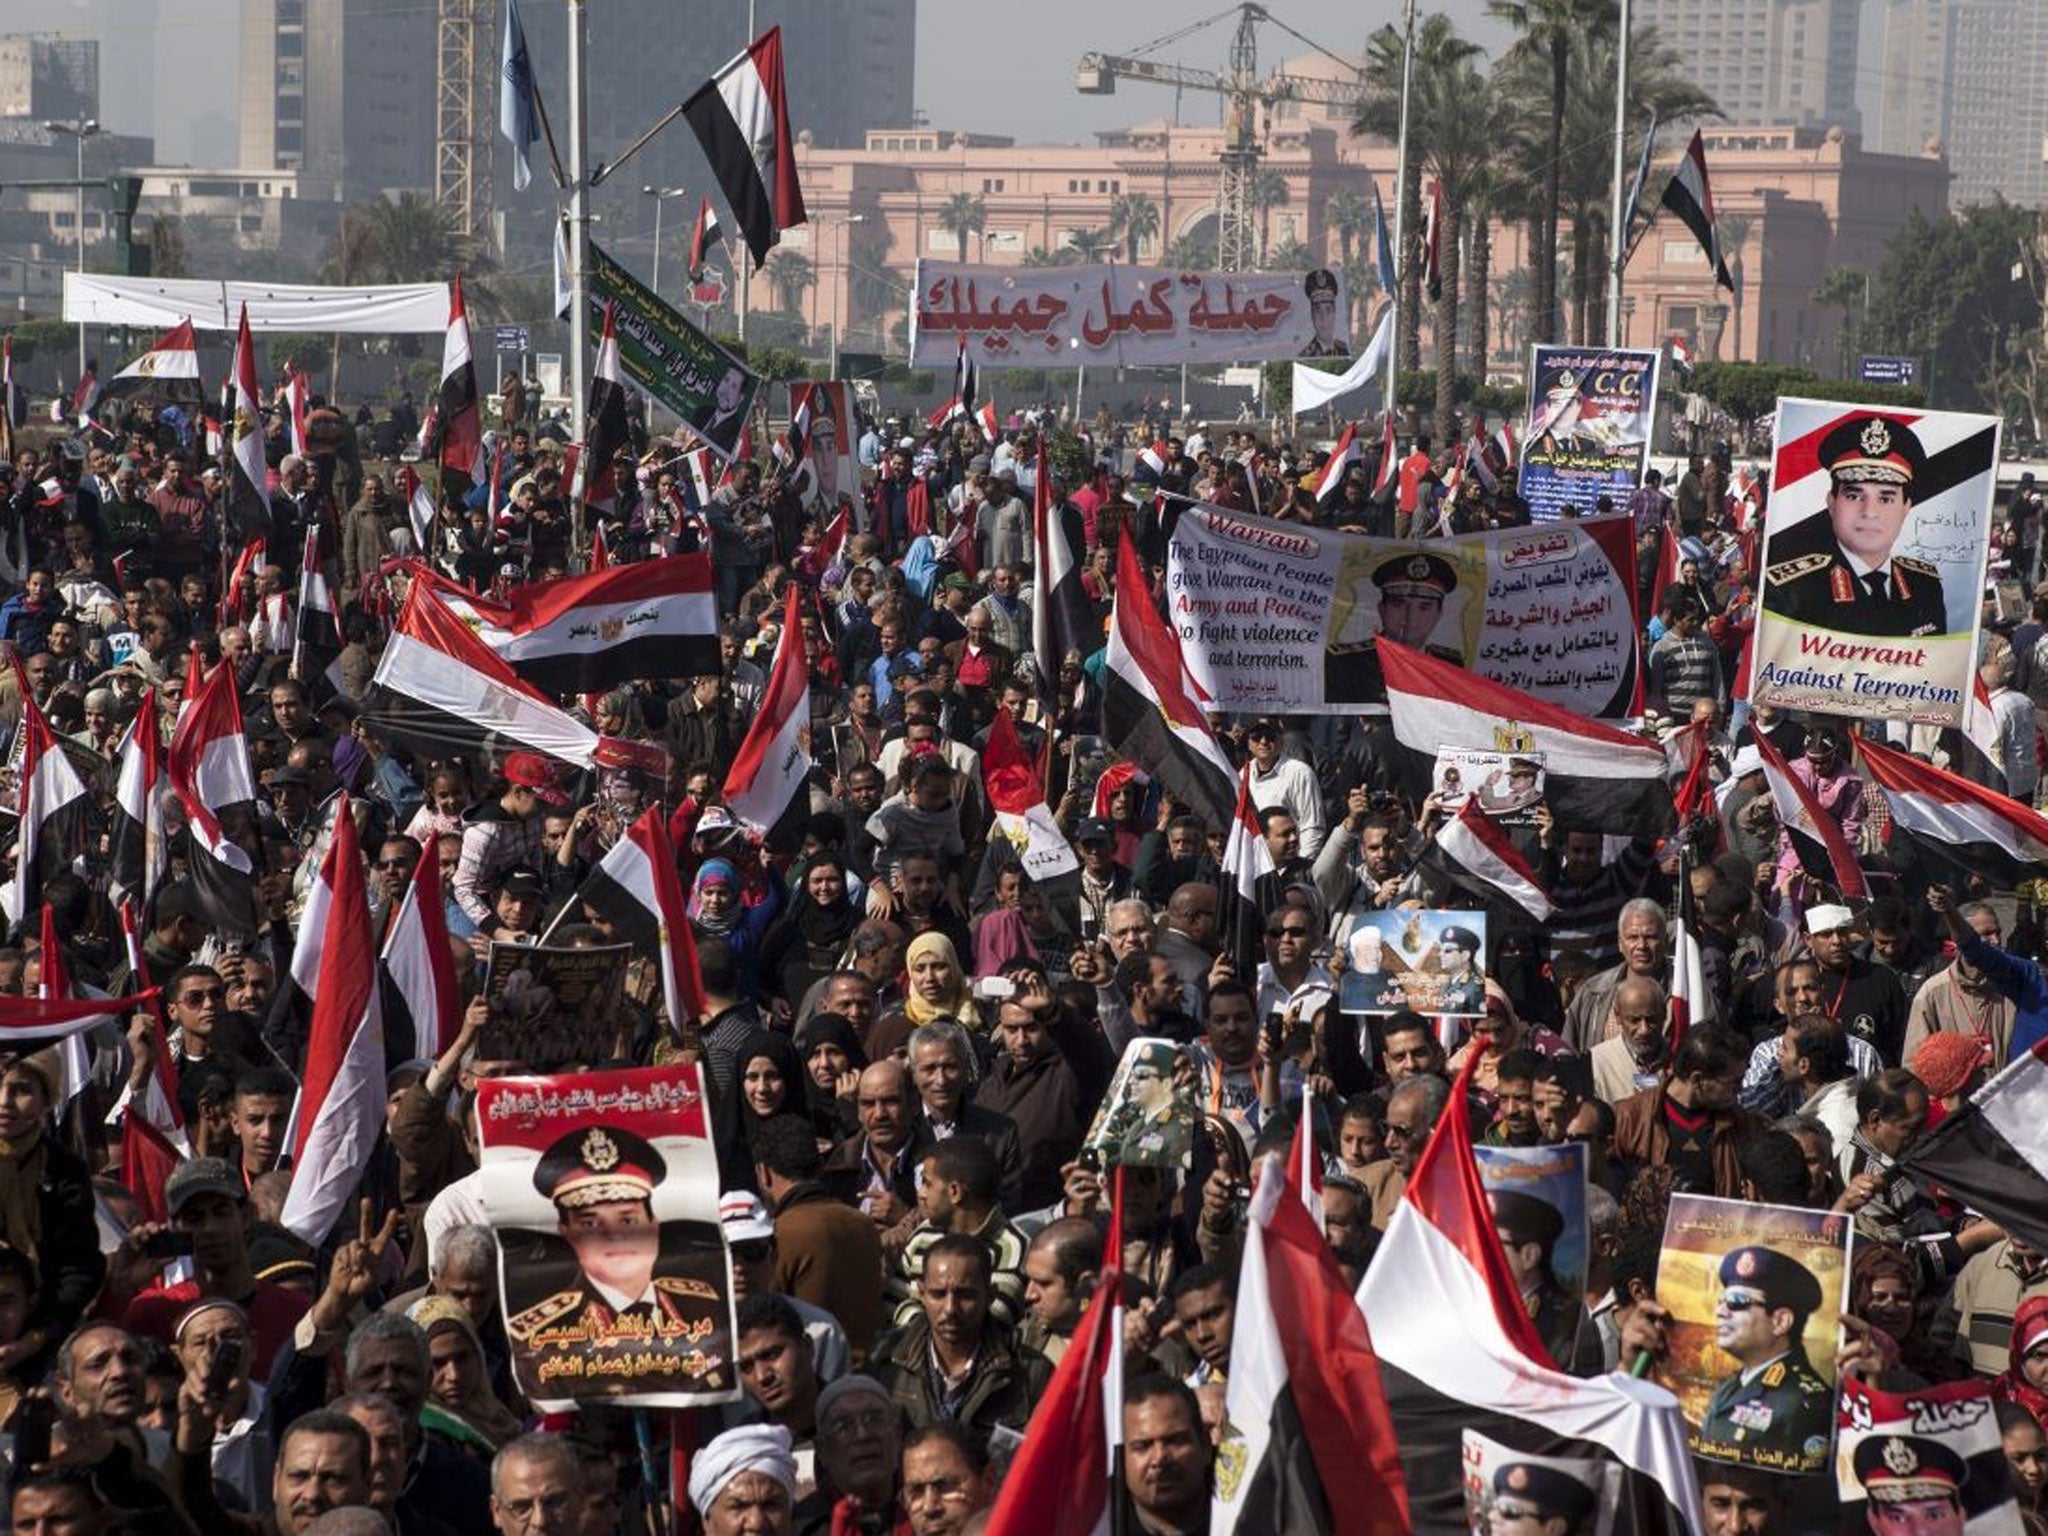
(1276, 618)
(1038, 317)
(1587, 432)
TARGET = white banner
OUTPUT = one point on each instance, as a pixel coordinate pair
(158, 303)
(1314, 388)
(1055, 317)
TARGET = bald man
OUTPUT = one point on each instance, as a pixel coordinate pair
(1638, 1043)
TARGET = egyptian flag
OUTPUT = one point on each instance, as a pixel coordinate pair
(248, 501)
(419, 509)
(1342, 457)
(1681, 357)
(1990, 1154)
(30, 1023)
(1062, 618)
(1064, 1480)
(1668, 557)
(439, 687)
(1595, 777)
(1247, 861)
(1472, 853)
(607, 429)
(169, 369)
(209, 769)
(54, 802)
(1974, 749)
(1953, 824)
(768, 775)
(422, 1004)
(634, 890)
(158, 1101)
(603, 629)
(742, 119)
(1022, 817)
(960, 540)
(53, 984)
(1390, 462)
(985, 418)
(340, 1113)
(459, 429)
(1112, 779)
(1433, 242)
(795, 446)
(235, 588)
(1149, 713)
(1816, 836)
(85, 395)
(1471, 1359)
(1504, 449)
(822, 554)
(1688, 963)
(1478, 454)
(966, 379)
(600, 549)
(1151, 462)
(297, 395)
(1690, 197)
(316, 638)
(707, 234)
(1318, 1444)
(1695, 797)
(940, 415)
(136, 854)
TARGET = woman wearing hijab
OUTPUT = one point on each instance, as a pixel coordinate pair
(459, 1408)
(937, 987)
(833, 1058)
(810, 937)
(2025, 1381)
(718, 910)
(1884, 1291)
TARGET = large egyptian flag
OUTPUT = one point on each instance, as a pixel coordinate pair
(1595, 778)
(1247, 861)
(168, 371)
(458, 415)
(636, 891)
(136, 852)
(607, 417)
(1689, 195)
(741, 117)
(1062, 619)
(1953, 824)
(1345, 455)
(53, 804)
(1318, 1454)
(248, 513)
(316, 634)
(209, 769)
(440, 688)
(1017, 799)
(1991, 1154)
(1149, 711)
(1473, 853)
(422, 1004)
(582, 634)
(1816, 837)
(340, 1112)
(770, 772)
(1469, 1357)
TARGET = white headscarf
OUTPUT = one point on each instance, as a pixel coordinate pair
(763, 1448)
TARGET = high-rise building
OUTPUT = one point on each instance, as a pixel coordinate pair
(49, 77)
(341, 91)
(1910, 92)
(1996, 127)
(1789, 62)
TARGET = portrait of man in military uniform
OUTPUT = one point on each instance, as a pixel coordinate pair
(1774, 1410)
(1529, 1227)
(1151, 1123)
(1531, 1499)
(1409, 595)
(1912, 1486)
(1321, 287)
(1460, 983)
(1840, 569)
(601, 1181)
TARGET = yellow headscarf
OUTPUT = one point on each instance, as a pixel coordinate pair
(957, 1003)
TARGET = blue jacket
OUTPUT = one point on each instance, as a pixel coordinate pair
(2019, 979)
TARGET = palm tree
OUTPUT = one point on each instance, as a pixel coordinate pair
(1039, 256)
(1549, 28)
(416, 240)
(1347, 214)
(1734, 230)
(789, 273)
(1846, 289)
(964, 214)
(1268, 190)
(1136, 217)
(1191, 252)
(1091, 244)
(1292, 256)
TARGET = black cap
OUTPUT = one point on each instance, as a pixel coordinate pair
(521, 881)
(1872, 449)
(1556, 1495)
(1093, 829)
(1525, 1218)
(1785, 1282)
(1463, 938)
(1896, 1469)
(596, 1164)
(1415, 576)
(1320, 284)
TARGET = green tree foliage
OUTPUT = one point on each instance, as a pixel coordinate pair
(1751, 391)
(1946, 293)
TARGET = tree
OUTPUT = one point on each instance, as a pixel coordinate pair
(1039, 256)
(1733, 231)
(1945, 292)
(789, 273)
(1846, 289)
(1348, 214)
(1291, 256)
(964, 214)
(1136, 217)
(1091, 244)
(1268, 190)
(1191, 252)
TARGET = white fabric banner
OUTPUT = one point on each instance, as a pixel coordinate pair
(1314, 389)
(158, 303)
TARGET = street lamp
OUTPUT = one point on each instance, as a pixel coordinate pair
(839, 280)
(85, 128)
(660, 196)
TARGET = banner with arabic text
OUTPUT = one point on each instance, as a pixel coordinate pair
(1281, 618)
(1587, 432)
(1055, 317)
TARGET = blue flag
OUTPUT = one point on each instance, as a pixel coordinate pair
(1388, 278)
(517, 118)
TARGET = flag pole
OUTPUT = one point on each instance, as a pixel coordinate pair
(579, 253)
(1401, 203)
(1617, 236)
(1113, 1410)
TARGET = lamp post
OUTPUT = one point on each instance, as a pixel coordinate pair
(81, 130)
(839, 279)
(660, 196)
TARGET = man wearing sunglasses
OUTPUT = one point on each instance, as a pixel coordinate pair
(1775, 1409)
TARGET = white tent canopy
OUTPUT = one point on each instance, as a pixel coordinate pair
(159, 303)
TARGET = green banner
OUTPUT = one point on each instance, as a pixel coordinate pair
(709, 388)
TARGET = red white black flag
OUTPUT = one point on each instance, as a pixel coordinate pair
(137, 856)
(769, 773)
(707, 234)
(248, 500)
(634, 888)
(1689, 195)
(741, 117)
(1961, 827)
(458, 417)
(607, 417)
(422, 1005)
(1472, 852)
(209, 769)
(53, 804)
(1342, 458)
(1824, 854)
(169, 369)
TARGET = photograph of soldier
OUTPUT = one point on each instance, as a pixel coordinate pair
(824, 454)
(1461, 985)
(637, 1285)
(1774, 1409)
(1532, 1499)
(1529, 1227)
(1321, 287)
(1148, 1117)
(1405, 604)
(1841, 570)
(1912, 1486)
(1516, 786)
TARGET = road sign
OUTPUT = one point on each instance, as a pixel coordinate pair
(1887, 370)
(514, 338)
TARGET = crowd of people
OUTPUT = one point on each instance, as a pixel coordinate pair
(907, 1040)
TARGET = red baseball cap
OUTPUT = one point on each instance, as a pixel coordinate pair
(534, 772)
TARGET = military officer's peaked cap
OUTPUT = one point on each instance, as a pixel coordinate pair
(1415, 576)
(1895, 1469)
(1784, 1281)
(596, 1164)
(1872, 448)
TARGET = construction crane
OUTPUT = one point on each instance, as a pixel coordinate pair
(464, 65)
(1248, 109)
